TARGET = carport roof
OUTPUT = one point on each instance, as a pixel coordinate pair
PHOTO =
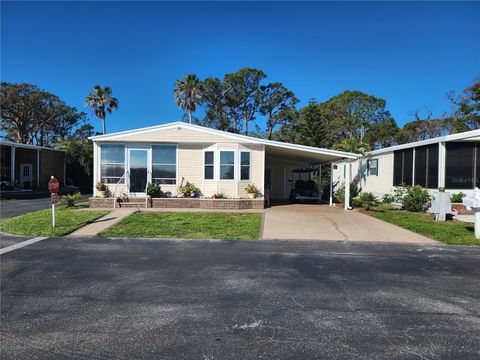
(25, 146)
(277, 148)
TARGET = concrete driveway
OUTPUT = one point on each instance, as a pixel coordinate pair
(322, 222)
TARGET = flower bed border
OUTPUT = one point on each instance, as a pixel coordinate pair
(186, 203)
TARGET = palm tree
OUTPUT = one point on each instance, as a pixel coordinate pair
(101, 102)
(187, 93)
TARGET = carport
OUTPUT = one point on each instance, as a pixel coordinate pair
(282, 158)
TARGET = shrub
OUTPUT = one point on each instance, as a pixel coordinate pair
(367, 200)
(251, 189)
(355, 189)
(457, 198)
(416, 198)
(71, 198)
(219, 196)
(388, 199)
(188, 189)
(399, 192)
(357, 202)
(154, 190)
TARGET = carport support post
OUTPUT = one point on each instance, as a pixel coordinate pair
(331, 184)
(12, 163)
(347, 186)
(320, 183)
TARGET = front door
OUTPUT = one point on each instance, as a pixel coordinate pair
(26, 175)
(138, 170)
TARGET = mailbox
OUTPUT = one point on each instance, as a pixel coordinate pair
(474, 203)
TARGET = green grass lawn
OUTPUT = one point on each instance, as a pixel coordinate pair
(449, 232)
(39, 223)
(188, 225)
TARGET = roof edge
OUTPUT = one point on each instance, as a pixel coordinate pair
(245, 138)
(439, 139)
(26, 146)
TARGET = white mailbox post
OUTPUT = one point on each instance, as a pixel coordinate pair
(474, 203)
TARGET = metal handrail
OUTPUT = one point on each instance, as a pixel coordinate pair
(116, 189)
(146, 193)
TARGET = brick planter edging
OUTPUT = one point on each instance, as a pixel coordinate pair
(195, 203)
(96, 202)
(462, 210)
(228, 204)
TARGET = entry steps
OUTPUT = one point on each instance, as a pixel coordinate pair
(134, 202)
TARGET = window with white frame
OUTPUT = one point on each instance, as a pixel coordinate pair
(227, 165)
(112, 163)
(372, 167)
(245, 165)
(209, 165)
(164, 164)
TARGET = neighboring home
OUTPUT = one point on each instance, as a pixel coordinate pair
(30, 166)
(215, 161)
(451, 161)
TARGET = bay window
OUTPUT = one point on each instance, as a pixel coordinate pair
(164, 164)
(209, 165)
(112, 163)
(227, 165)
(244, 165)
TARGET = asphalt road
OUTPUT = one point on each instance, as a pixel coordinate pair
(144, 299)
(9, 208)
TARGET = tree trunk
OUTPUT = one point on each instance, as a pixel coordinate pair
(104, 127)
(270, 130)
(245, 121)
(189, 116)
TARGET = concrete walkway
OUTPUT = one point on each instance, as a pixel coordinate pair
(103, 223)
(322, 222)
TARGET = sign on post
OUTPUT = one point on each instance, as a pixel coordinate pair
(53, 186)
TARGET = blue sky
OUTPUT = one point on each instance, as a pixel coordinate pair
(406, 53)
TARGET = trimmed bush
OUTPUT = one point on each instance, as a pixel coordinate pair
(154, 190)
(416, 198)
(388, 199)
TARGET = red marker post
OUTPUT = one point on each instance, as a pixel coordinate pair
(53, 186)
